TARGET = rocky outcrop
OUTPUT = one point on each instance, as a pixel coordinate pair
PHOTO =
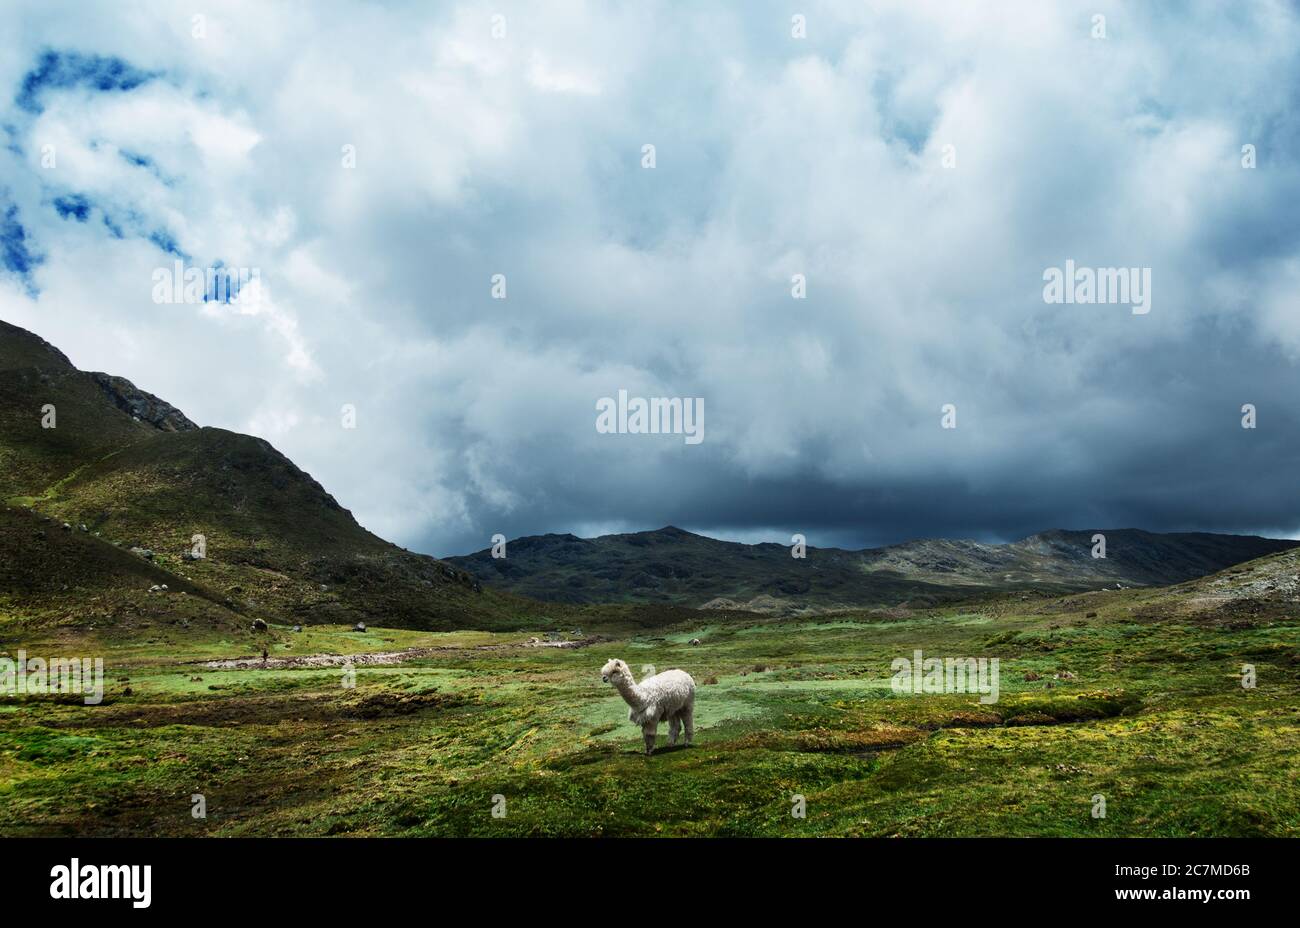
(143, 406)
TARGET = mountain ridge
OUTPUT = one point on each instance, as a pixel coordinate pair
(672, 565)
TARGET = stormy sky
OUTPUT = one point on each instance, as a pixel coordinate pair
(921, 164)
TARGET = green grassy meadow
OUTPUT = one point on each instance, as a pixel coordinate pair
(1154, 719)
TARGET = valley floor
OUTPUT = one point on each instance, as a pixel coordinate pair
(1149, 713)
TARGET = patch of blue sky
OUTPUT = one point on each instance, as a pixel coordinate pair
(66, 70)
(17, 252)
(144, 162)
(167, 242)
(224, 284)
(73, 206)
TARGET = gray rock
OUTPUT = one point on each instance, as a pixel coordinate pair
(142, 406)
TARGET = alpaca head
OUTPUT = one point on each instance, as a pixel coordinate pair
(616, 672)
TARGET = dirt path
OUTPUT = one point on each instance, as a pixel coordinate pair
(379, 657)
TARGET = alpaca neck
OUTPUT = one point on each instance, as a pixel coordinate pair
(631, 694)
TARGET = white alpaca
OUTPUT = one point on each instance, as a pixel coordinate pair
(669, 695)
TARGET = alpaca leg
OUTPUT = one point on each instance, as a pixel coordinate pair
(688, 720)
(649, 730)
(674, 726)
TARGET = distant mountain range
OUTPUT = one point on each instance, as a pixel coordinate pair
(678, 567)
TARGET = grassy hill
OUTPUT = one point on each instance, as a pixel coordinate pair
(138, 474)
(675, 566)
(87, 422)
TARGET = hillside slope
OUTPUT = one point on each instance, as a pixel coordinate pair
(139, 474)
(675, 566)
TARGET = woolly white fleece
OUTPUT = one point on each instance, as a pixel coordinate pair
(667, 696)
